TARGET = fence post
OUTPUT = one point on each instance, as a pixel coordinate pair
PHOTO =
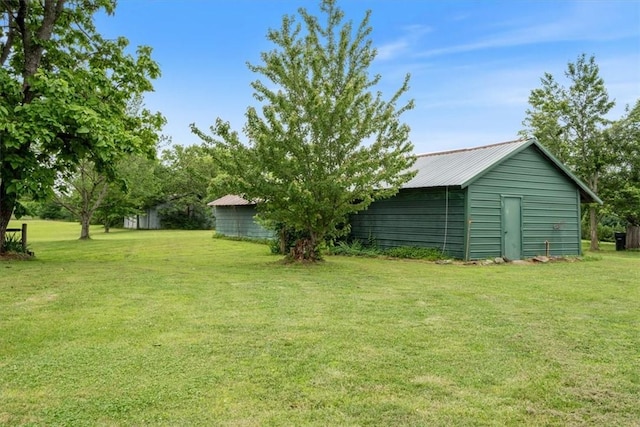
(24, 238)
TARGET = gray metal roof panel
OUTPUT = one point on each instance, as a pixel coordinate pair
(230, 200)
(459, 167)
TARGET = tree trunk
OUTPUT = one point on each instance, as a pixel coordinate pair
(305, 249)
(84, 232)
(593, 228)
(89, 209)
(633, 237)
(283, 240)
(7, 204)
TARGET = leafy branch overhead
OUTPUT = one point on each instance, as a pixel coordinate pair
(324, 143)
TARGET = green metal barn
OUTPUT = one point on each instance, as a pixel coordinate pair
(235, 217)
(512, 200)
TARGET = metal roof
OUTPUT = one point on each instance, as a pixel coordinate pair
(459, 167)
(230, 200)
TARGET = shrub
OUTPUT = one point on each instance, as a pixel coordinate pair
(412, 252)
(13, 244)
(607, 226)
(605, 232)
(189, 218)
(357, 248)
(49, 209)
(244, 239)
(354, 248)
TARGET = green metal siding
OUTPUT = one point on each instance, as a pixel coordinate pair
(415, 217)
(550, 207)
(238, 221)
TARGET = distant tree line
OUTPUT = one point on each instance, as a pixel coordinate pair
(178, 180)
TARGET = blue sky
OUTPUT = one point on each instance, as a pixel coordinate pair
(473, 64)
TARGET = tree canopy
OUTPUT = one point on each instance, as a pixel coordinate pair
(185, 174)
(570, 122)
(90, 197)
(65, 95)
(621, 183)
(325, 144)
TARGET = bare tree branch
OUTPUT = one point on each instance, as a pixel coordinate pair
(98, 202)
(58, 200)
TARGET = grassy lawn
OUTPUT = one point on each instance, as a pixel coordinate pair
(177, 328)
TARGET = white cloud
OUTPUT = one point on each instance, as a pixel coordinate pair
(392, 50)
(587, 21)
(404, 44)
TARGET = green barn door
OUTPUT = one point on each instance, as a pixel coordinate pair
(512, 227)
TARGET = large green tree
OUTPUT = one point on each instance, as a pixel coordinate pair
(622, 180)
(185, 174)
(325, 143)
(64, 97)
(570, 122)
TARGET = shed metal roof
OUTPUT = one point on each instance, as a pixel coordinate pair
(460, 168)
(230, 200)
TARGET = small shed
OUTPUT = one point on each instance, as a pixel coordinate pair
(235, 217)
(149, 219)
(512, 200)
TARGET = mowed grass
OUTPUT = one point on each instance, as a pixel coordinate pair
(178, 328)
